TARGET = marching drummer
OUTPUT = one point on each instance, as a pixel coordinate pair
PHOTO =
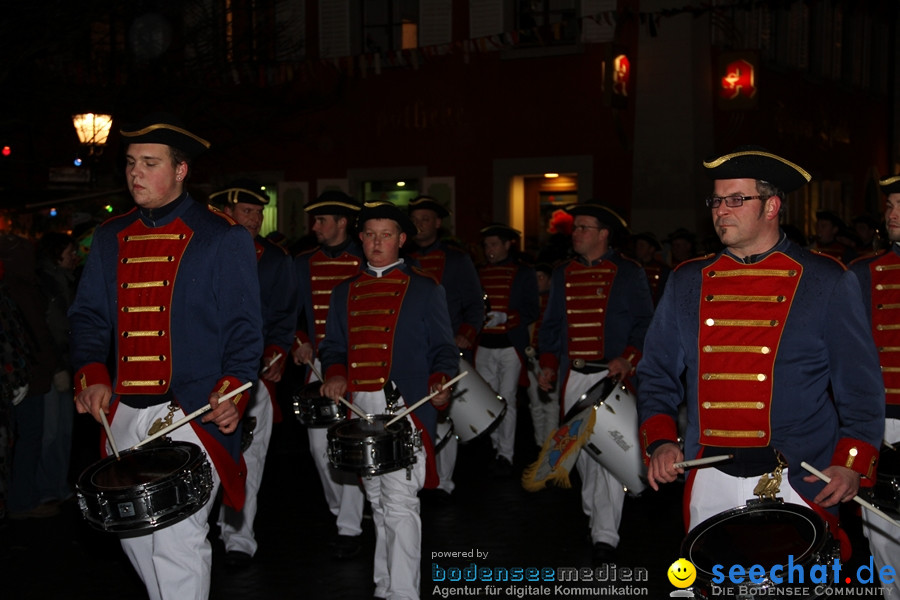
(320, 269)
(174, 284)
(601, 303)
(453, 269)
(512, 297)
(244, 201)
(878, 278)
(388, 342)
(778, 359)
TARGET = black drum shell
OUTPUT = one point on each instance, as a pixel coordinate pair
(314, 410)
(146, 488)
(369, 449)
(885, 494)
(760, 533)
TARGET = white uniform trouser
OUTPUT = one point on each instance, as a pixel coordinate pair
(237, 526)
(602, 495)
(173, 562)
(884, 537)
(499, 367)
(343, 494)
(395, 513)
(544, 415)
(445, 462)
(715, 492)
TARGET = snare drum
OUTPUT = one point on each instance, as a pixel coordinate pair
(375, 448)
(762, 533)
(146, 488)
(474, 407)
(885, 493)
(614, 442)
(314, 410)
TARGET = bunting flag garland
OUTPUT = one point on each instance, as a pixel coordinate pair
(414, 58)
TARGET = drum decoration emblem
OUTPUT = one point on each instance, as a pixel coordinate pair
(160, 424)
(770, 483)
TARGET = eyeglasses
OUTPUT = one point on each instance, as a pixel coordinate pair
(732, 201)
(583, 228)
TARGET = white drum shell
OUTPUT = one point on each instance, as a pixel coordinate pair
(614, 441)
(475, 408)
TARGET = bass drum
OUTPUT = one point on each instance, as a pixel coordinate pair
(766, 533)
(614, 441)
(475, 408)
(145, 488)
(314, 410)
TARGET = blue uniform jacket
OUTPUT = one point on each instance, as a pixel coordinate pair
(216, 327)
(278, 295)
(422, 347)
(628, 312)
(826, 345)
(460, 280)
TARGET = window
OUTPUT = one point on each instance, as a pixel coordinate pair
(390, 25)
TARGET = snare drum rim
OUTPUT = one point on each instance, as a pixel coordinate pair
(195, 456)
(401, 427)
(818, 524)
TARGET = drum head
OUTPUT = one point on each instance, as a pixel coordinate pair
(140, 466)
(596, 394)
(764, 534)
(360, 429)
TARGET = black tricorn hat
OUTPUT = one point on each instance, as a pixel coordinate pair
(333, 202)
(430, 203)
(383, 209)
(827, 215)
(504, 232)
(890, 185)
(242, 190)
(164, 128)
(755, 162)
(649, 237)
(601, 212)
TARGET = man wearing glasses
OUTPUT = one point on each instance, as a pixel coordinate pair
(778, 359)
(598, 311)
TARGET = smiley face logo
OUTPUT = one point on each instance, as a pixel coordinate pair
(682, 573)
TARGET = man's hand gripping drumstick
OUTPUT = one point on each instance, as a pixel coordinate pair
(225, 415)
(322, 391)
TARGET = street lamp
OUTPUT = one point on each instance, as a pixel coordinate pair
(93, 130)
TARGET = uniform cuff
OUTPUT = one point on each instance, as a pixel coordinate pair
(335, 371)
(654, 429)
(857, 456)
(549, 361)
(632, 355)
(91, 374)
(468, 332)
(229, 383)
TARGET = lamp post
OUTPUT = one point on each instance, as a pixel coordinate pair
(93, 130)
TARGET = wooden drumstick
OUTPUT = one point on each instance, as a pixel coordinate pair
(687, 464)
(865, 504)
(315, 371)
(109, 435)
(406, 411)
(271, 362)
(359, 412)
(580, 363)
(193, 415)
